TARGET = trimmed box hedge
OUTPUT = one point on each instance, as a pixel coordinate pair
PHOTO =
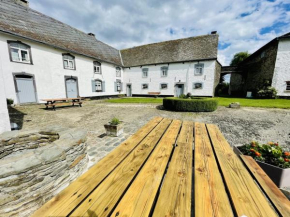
(190, 105)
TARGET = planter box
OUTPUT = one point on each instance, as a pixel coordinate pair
(280, 176)
(114, 130)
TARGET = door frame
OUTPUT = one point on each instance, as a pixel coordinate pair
(15, 74)
(130, 88)
(77, 81)
(175, 87)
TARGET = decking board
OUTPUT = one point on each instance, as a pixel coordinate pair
(74, 194)
(104, 198)
(210, 194)
(139, 198)
(245, 195)
(175, 193)
(279, 200)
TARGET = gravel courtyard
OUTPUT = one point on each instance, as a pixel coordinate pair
(238, 125)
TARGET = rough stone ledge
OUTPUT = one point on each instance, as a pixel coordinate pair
(36, 165)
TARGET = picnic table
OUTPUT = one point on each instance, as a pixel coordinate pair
(150, 174)
(62, 102)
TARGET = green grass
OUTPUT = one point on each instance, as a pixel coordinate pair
(223, 101)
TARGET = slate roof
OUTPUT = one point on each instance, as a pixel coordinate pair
(25, 22)
(187, 49)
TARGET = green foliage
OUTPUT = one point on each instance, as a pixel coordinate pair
(266, 91)
(239, 57)
(222, 89)
(182, 96)
(190, 105)
(270, 153)
(10, 101)
(115, 121)
(188, 95)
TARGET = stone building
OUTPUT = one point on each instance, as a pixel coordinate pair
(269, 63)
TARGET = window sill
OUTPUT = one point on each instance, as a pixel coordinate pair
(27, 63)
(69, 69)
(198, 74)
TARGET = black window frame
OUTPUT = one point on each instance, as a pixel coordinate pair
(287, 85)
(197, 88)
(145, 88)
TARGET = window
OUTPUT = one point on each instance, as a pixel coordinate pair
(118, 72)
(97, 67)
(145, 72)
(198, 69)
(118, 86)
(98, 86)
(197, 86)
(287, 85)
(145, 86)
(163, 86)
(19, 52)
(68, 61)
(164, 71)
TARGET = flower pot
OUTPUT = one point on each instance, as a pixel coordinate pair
(280, 176)
(114, 130)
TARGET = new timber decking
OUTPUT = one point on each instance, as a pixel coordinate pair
(151, 174)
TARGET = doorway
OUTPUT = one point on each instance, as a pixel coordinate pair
(71, 85)
(129, 90)
(179, 89)
(25, 88)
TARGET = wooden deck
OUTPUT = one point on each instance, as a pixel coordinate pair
(150, 174)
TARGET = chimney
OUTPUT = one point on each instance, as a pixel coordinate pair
(91, 34)
(24, 3)
(213, 32)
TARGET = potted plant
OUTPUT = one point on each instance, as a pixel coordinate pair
(114, 127)
(271, 158)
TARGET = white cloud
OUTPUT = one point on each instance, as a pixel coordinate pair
(124, 23)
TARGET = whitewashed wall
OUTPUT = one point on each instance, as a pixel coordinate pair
(177, 72)
(282, 68)
(49, 72)
(4, 117)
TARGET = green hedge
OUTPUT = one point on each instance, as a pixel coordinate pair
(190, 105)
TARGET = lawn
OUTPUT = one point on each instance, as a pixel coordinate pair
(223, 101)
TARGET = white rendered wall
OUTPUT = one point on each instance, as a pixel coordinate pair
(4, 117)
(282, 68)
(49, 72)
(177, 72)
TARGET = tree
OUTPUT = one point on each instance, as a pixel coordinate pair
(239, 57)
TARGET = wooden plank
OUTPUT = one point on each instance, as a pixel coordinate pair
(75, 193)
(210, 194)
(246, 197)
(279, 200)
(139, 199)
(104, 198)
(175, 194)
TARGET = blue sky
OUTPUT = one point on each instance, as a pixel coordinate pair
(242, 25)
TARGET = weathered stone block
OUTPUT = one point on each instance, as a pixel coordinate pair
(234, 105)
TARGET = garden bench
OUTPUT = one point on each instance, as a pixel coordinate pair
(52, 103)
(154, 93)
(150, 174)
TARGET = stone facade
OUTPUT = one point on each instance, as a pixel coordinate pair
(35, 166)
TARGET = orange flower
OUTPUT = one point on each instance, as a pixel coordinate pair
(257, 154)
(270, 143)
(286, 160)
(252, 150)
(276, 144)
(286, 153)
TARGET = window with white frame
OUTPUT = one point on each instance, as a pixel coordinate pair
(198, 69)
(118, 72)
(164, 71)
(145, 72)
(144, 86)
(99, 86)
(287, 85)
(197, 85)
(68, 61)
(119, 85)
(20, 52)
(163, 86)
(97, 67)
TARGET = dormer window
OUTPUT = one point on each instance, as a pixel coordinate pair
(68, 61)
(97, 67)
(118, 72)
(19, 52)
(199, 69)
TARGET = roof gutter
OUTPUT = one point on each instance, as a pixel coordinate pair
(54, 46)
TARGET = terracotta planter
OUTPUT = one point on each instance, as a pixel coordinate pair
(114, 130)
(280, 176)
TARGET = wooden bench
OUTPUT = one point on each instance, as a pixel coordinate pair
(150, 174)
(60, 102)
(154, 93)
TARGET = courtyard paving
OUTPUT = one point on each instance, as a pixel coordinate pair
(238, 125)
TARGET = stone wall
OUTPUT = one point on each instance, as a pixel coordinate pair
(35, 166)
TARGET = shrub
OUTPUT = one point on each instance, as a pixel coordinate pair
(270, 153)
(10, 101)
(115, 121)
(188, 95)
(190, 105)
(182, 96)
(266, 91)
(222, 89)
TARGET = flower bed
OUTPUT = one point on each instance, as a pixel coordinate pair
(190, 105)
